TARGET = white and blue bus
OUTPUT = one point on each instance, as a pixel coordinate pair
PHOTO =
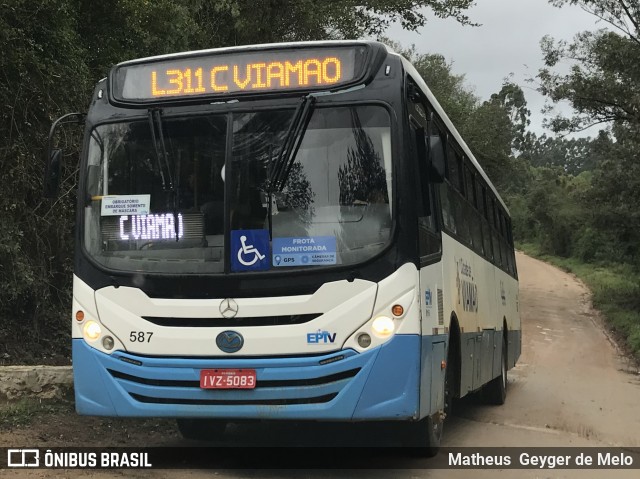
(285, 232)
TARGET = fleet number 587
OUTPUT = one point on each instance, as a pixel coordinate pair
(140, 336)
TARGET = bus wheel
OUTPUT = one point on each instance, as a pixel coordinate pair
(202, 429)
(425, 435)
(495, 392)
(450, 379)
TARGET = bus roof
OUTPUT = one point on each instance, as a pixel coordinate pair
(246, 48)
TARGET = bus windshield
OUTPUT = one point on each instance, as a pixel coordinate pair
(175, 206)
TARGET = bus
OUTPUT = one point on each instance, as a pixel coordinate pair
(285, 231)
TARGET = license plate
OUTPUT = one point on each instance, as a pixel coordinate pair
(228, 378)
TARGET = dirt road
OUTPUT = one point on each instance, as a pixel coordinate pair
(570, 388)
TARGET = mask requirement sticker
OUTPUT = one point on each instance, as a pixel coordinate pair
(117, 205)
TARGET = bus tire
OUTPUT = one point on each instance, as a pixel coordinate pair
(201, 429)
(451, 380)
(495, 391)
(426, 434)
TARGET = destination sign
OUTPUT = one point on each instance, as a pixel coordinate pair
(231, 73)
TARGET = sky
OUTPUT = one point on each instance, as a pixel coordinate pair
(507, 42)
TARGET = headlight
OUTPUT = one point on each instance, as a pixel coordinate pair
(92, 331)
(383, 326)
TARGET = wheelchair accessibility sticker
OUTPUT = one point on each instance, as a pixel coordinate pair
(250, 250)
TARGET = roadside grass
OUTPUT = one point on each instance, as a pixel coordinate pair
(23, 412)
(615, 288)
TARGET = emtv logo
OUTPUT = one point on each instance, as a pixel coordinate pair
(321, 337)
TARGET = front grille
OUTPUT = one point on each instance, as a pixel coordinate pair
(172, 382)
(235, 402)
(259, 384)
(232, 322)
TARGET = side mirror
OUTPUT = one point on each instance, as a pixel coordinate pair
(436, 163)
(54, 160)
(52, 173)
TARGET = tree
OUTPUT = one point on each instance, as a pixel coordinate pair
(572, 155)
(603, 87)
(43, 71)
(511, 98)
(240, 22)
(495, 130)
(615, 195)
(604, 80)
(117, 30)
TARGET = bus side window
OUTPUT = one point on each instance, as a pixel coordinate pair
(506, 247)
(429, 240)
(486, 228)
(475, 217)
(471, 191)
(450, 209)
(512, 254)
(495, 236)
(461, 210)
(428, 236)
(453, 167)
(448, 213)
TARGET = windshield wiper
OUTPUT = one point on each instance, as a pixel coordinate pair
(155, 123)
(283, 164)
(281, 167)
(162, 156)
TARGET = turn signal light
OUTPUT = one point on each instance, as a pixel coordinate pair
(79, 315)
(397, 310)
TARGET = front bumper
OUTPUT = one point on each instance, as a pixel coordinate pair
(381, 384)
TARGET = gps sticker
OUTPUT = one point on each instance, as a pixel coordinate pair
(304, 251)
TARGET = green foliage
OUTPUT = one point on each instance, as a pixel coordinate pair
(616, 192)
(490, 134)
(116, 30)
(241, 22)
(511, 98)
(572, 155)
(602, 87)
(604, 79)
(44, 73)
(552, 215)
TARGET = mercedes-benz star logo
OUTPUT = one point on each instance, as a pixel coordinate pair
(228, 308)
(230, 341)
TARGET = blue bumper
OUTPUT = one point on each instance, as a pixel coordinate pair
(381, 384)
